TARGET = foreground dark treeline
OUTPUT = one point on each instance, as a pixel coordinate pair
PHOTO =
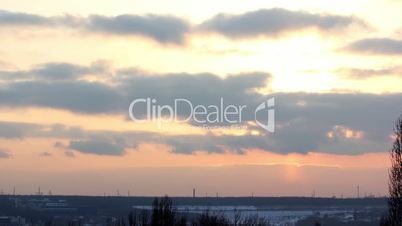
(121, 211)
(163, 213)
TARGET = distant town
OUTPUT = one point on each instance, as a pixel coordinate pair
(47, 210)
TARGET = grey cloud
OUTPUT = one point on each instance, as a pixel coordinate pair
(77, 96)
(16, 18)
(59, 144)
(301, 128)
(20, 130)
(45, 154)
(51, 71)
(165, 29)
(12, 130)
(61, 71)
(98, 147)
(237, 89)
(191, 85)
(10, 18)
(95, 97)
(303, 119)
(191, 144)
(172, 30)
(56, 71)
(272, 22)
(306, 125)
(303, 122)
(384, 46)
(4, 155)
(360, 73)
(69, 154)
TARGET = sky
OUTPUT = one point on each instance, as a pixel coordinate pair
(69, 71)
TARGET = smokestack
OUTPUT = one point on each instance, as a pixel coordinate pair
(193, 192)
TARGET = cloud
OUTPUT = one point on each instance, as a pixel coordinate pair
(59, 144)
(45, 154)
(56, 71)
(167, 29)
(4, 155)
(303, 120)
(272, 22)
(98, 147)
(382, 46)
(16, 18)
(21, 130)
(330, 123)
(12, 130)
(163, 29)
(77, 96)
(360, 123)
(359, 73)
(69, 154)
(64, 71)
(96, 97)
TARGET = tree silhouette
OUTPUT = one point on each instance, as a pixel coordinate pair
(163, 213)
(395, 178)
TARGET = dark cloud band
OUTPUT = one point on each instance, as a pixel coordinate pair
(4, 155)
(334, 123)
(164, 29)
(382, 46)
(171, 29)
(272, 22)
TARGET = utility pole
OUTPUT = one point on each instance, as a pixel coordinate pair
(358, 191)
